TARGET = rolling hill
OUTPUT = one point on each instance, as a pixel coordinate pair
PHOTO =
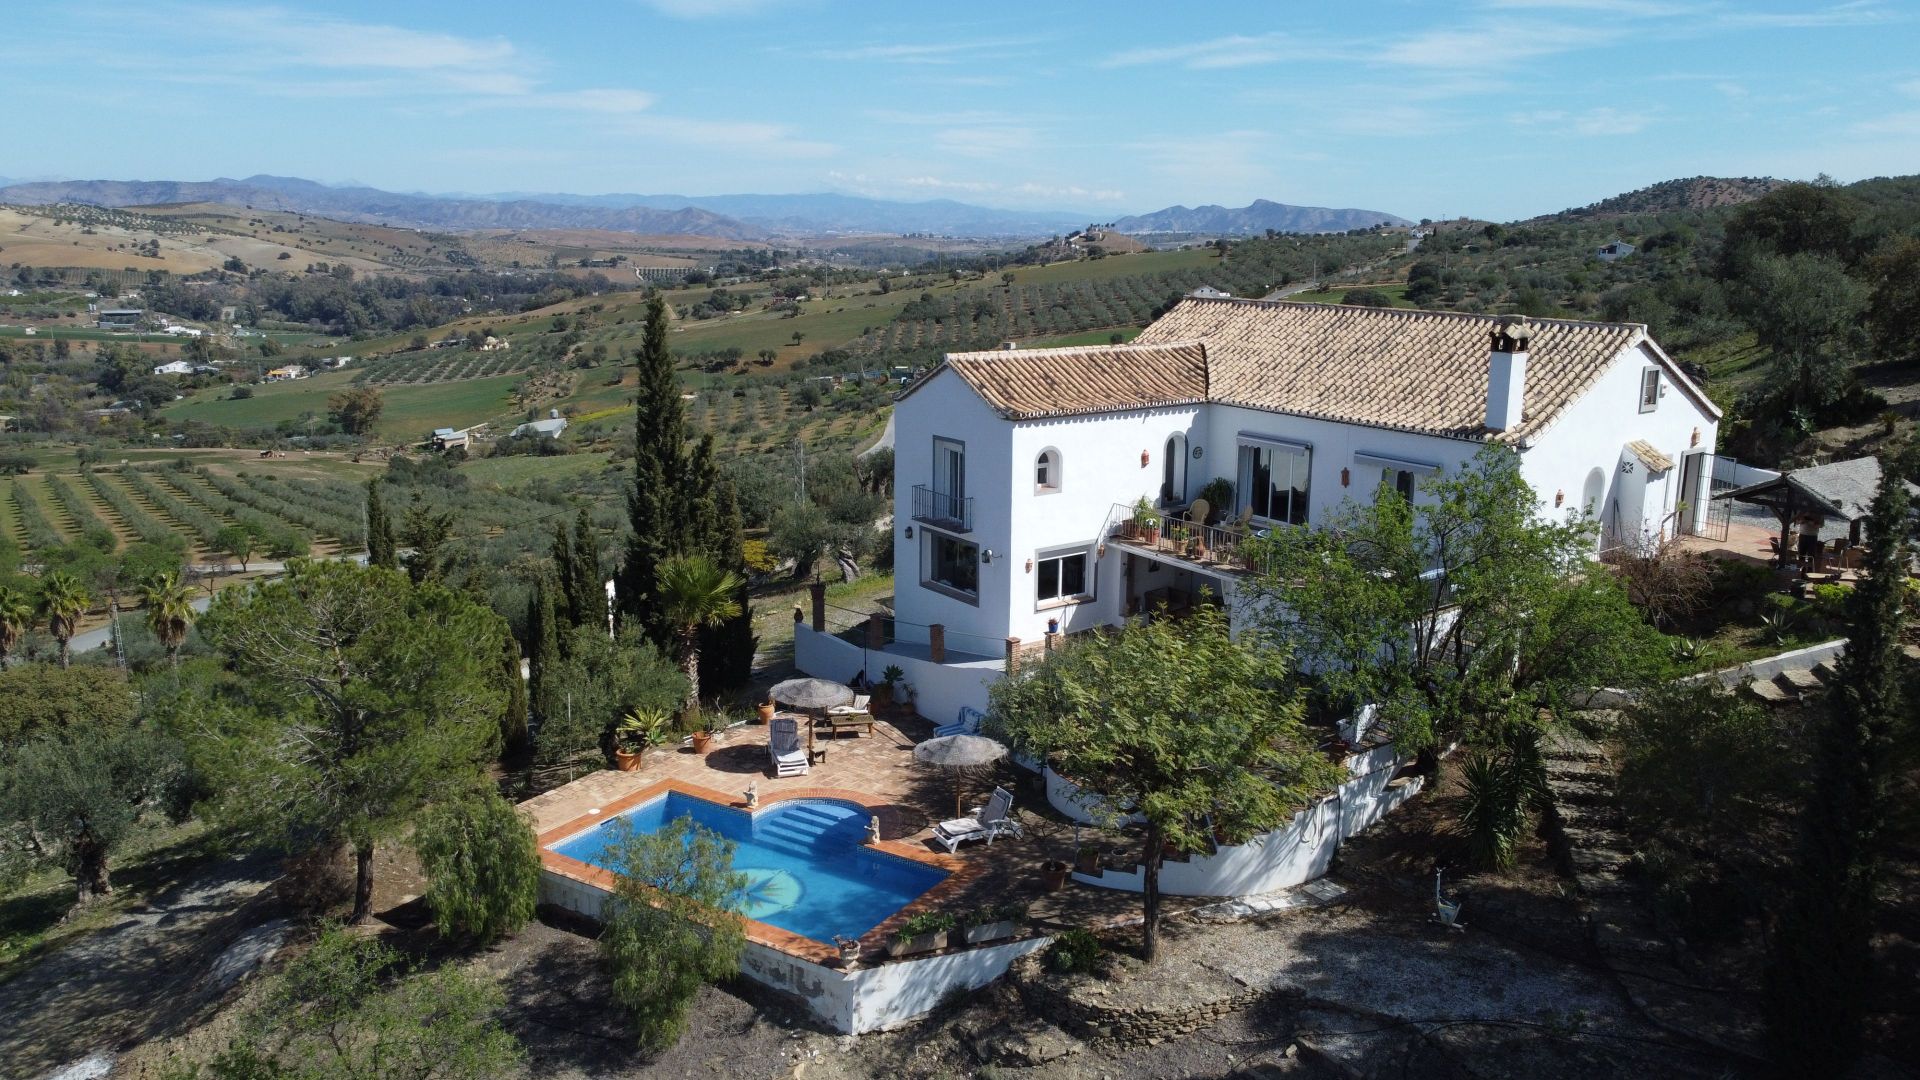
(1256, 217)
(1690, 193)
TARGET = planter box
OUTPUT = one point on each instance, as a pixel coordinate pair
(992, 931)
(923, 943)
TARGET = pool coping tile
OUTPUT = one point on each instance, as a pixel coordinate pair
(960, 872)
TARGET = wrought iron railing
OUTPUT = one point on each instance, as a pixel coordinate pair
(942, 510)
(1221, 545)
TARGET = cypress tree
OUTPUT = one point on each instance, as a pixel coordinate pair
(1820, 963)
(380, 546)
(655, 508)
(543, 650)
(726, 650)
(586, 595)
(564, 573)
(513, 724)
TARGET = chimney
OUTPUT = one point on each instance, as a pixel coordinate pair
(1507, 372)
(553, 414)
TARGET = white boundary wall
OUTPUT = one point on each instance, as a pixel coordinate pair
(851, 1002)
(939, 690)
(1293, 854)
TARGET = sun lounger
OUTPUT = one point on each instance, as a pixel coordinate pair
(988, 823)
(785, 748)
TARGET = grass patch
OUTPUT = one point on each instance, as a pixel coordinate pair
(517, 469)
(1085, 337)
(1113, 266)
(1396, 293)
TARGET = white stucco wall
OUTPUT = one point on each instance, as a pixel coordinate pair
(865, 999)
(939, 690)
(1295, 853)
(1593, 432)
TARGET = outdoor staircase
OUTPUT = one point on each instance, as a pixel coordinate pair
(803, 827)
(1792, 684)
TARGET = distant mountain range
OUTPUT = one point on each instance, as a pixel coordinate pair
(1256, 217)
(371, 204)
(722, 217)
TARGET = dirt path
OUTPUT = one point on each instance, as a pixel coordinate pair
(128, 982)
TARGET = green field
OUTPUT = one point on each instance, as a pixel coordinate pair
(1113, 266)
(508, 472)
(411, 412)
(1397, 293)
(1085, 337)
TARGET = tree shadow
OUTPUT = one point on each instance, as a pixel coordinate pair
(744, 759)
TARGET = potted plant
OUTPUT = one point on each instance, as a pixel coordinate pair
(1197, 544)
(1219, 495)
(924, 932)
(703, 735)
(1054, 873)
(1146, 521)
(992, 922)
(890, 679)
(1087, 860)
(636, 731)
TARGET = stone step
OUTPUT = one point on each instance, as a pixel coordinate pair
(1799, 680)
(1577, 769)
(1827, 670)
(1588, 817)
(1769, 692)
(1598, 860)
(1589, 791)
(1569, 749)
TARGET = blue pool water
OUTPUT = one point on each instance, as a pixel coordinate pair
(808, 871)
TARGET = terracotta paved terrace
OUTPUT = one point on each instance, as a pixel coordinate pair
(877, 770)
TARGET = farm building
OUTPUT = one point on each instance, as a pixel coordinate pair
(176, 367)
(1616, 249)
(122, 319)
(290, 371)
(551, 427)
(447, 438)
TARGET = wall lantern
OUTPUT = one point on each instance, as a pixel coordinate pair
(1559, 497)
(1101, 551)
(1029, 566)
(1344, 478)
(1696, 438)
(986, 555)
(909, 532)
(1144, 458)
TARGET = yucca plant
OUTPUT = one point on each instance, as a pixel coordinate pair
(1493, 808)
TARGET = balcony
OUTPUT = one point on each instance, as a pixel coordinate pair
(953, 513)
(1218, 548)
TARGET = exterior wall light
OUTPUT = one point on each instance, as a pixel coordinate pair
(986, 555)
(909, 532)
(1559, 497)
(1029, 566)
(1144, 458)
(1345, 479)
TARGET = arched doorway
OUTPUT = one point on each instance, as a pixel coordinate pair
(1173, 470)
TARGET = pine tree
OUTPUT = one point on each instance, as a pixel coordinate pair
(1820, 967)
(380, 546)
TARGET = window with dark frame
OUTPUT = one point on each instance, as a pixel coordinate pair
(952, 564)
(1650, 389)
(1273, 480)
(1062, 577)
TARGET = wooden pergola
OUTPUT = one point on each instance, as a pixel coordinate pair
(1839, 489)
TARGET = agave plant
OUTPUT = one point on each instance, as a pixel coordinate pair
(1493, 808)
(1777, 625)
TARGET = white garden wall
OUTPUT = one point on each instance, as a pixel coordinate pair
(852, 1002)
(939, 690)
(1293, 854)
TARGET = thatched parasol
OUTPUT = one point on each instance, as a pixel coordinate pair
(811, 693)
(962, 756)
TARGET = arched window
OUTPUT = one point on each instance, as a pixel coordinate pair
(1596, 490)
(1046, 472)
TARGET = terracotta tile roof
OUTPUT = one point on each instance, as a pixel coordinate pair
(1025, 384)
(1386, 367)
(1650, 456)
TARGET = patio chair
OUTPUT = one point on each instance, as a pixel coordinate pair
(858, 708)
(989, 823)
(785, 748)
(967, 724)
(1197, 512)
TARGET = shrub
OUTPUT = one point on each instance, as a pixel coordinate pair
(1074, 951)
(1012, 911)
(482, 865)
(927, 922)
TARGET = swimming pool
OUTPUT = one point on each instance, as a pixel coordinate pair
(808, 870)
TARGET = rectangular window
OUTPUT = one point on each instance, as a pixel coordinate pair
(951, 564)
(1650, 389)
(1273, 480)
(1062, 577)
(1400, 480)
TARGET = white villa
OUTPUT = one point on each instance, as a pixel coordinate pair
(1017, 471)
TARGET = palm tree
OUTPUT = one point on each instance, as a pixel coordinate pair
(16, 618)
(694, 594)
(62, 601)
(169, 604)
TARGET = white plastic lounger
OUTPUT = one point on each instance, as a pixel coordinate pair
(988, 823)
(784, 747)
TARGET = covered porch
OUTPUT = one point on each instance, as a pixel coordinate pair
(1821, 511)
(1169, 561)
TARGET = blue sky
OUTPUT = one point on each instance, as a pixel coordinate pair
(1494, 108)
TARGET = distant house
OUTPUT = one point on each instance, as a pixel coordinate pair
(493, 344)
(177, 367)
(1615, 249)
(122, 319)
(282, 374)
(447, 438)
(1208, 292)
(331, 362)
(9, 422)
(550, 428)
(184, 331)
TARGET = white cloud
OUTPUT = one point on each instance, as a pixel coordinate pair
(1237, 50)
(1027, 190)
(1601, 121)
(1900, 123)
(1631, 8)
(289, 37)
(1491, 45)
(1856, 13)
(708, 9)
(760, 139)
(984, 142)
(936, 52)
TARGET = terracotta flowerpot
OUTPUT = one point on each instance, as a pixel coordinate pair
(1054, 874)
(701, 740)
(627, 760)
(766, 712)
(1087, 862)
(1151, 534)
